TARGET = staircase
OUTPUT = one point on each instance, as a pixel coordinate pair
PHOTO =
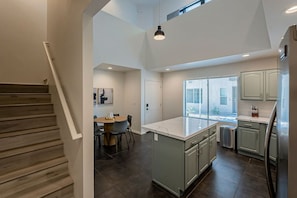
(32, 161)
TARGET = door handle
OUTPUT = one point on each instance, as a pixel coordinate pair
(266, 152)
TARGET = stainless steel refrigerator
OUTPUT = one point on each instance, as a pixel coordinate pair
(285, 112)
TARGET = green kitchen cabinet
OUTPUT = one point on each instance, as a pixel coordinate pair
(271, 83)
(259, 85)
(191, 165)
(212, 147)
(203, 155)
(176, 164)
(248, 137)
(252, 85)
(251, 140)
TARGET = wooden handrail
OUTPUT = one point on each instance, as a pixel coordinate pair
(74, 134)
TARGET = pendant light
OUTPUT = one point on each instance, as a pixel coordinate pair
(159, 34)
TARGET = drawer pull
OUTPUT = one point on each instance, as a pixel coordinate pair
(194, 143)
(247, 125)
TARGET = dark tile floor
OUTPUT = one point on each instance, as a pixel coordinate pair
(128, 174)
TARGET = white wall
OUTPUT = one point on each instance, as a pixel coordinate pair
(110, 79)
(127, 94)
(144, 16)
(125, 10)
(199, 35)
(23, 29)
(173, 85)
(118, 43)
(132, 104)
(70, 37)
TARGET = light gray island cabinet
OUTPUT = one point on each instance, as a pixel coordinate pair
(183, 148)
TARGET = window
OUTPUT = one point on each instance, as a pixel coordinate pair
(194, 95)
(212, 98)
(186, 9)
(223, 96)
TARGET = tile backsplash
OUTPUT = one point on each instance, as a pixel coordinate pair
(264, 107)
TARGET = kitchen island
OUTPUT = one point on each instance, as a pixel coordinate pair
(183, 148)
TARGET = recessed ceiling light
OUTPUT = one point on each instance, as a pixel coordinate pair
(245, 55)
(291, 10)
(167, 69)
(109, 67)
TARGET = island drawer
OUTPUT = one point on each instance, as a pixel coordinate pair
(196, 139)
(252, 125)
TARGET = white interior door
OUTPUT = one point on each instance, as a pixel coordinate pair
(153, 102)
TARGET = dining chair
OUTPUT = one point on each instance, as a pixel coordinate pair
(98, 131)
(129, 128)
(118, 129)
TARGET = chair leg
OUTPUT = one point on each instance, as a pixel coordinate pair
(99, 139)
(127, 140)
(131, 134)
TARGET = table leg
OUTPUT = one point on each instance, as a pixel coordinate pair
(107, 136)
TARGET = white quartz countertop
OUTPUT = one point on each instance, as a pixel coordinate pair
(253, 119)
(181, 128)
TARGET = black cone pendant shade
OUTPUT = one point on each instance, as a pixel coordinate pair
(159, 34)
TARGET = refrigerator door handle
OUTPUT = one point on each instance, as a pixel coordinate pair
(266, 152)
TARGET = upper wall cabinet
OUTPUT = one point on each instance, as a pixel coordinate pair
(259, 85)
(252, 85)
(271, 84)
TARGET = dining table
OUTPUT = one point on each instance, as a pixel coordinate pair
(109, 140)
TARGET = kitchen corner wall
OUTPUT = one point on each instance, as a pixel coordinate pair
(173, 85)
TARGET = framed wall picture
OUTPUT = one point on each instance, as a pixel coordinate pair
(95, 97)
(105, 96)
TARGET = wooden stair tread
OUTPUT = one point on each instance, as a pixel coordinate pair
(23, 93)
(23, 88)
(29, 170)
(44, 189)
(17, 151)
(32, 159)
(28, 131)
(24, 105)
(26, 117)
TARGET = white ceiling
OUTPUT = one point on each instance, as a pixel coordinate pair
(277, 23)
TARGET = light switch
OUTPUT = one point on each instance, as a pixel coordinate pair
(155, 136)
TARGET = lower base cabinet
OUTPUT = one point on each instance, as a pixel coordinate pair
(176, 164)
(251, 138)
(203, 155)
(212, 147)
(191, 165)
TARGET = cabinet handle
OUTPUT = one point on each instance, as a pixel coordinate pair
(194, 143)
(205, 136)
(247, 125)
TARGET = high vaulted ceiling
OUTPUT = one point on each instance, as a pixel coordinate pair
(275, 23)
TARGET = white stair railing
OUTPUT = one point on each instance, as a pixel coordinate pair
(74, 133)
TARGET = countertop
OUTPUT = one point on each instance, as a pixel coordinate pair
(262, 120)
(181, 128)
